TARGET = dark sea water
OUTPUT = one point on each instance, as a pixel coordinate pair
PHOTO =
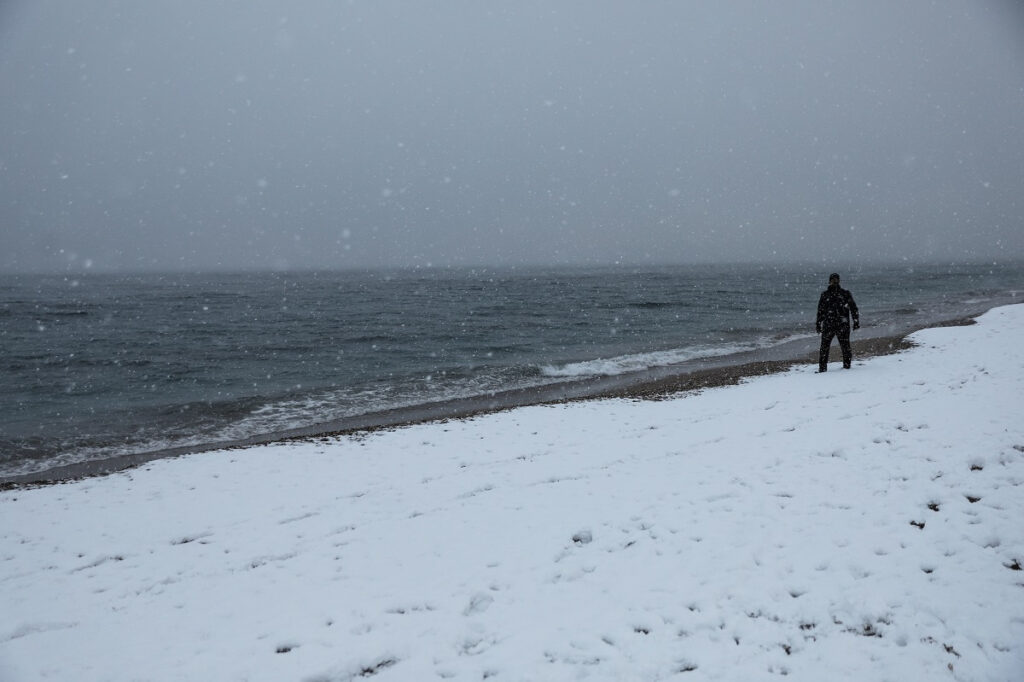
(99, 365)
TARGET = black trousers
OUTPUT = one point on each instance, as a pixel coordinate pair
(843, 333)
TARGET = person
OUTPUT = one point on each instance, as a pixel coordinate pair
(835, 307)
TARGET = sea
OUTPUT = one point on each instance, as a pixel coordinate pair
(93, 366)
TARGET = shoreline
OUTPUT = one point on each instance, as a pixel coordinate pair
(866, 522)
(651, 384)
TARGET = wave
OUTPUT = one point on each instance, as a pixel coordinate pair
(624, 364)
(367, 338)
(330, 405)
(66, 313)
(656, 305)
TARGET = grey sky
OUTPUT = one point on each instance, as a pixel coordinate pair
(189, 134)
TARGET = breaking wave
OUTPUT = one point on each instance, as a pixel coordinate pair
(638, 362)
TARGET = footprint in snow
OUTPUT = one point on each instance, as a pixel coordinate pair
(301, 517)
(188, 539)
(478, 603)
(582, 537)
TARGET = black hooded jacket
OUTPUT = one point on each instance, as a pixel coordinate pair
(835, 307)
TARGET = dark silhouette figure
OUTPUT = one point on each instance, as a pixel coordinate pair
(835, 307)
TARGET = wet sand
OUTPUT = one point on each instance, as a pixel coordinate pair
(652, 384)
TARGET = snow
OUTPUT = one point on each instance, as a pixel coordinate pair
(860, 525)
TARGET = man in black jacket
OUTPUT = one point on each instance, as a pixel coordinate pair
(835, 307)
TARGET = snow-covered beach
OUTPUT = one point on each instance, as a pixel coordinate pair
(853, 525)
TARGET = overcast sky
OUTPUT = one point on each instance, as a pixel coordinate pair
(190, 134)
